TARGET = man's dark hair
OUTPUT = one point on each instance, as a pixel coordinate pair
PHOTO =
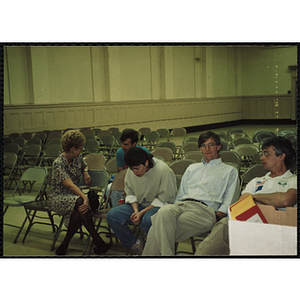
(206, 136)
(136, 156)
(129, 134)
(281, 145)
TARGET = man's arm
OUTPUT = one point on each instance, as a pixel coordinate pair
(278, 199)
(231, 195)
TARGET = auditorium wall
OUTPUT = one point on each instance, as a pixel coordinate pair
(57, 87)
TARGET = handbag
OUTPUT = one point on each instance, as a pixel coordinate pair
(93, 200)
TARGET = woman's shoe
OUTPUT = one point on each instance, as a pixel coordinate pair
(62, 249)
(101, 250)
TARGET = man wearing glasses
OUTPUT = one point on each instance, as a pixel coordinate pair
(278, 188)
(206, 191)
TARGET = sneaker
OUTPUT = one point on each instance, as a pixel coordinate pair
(138, 247)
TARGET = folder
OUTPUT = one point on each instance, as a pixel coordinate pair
(246, 210)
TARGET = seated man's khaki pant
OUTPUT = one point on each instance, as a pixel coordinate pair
(217, 243)
(175, 223)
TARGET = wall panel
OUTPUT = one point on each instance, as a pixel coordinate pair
(136, 114)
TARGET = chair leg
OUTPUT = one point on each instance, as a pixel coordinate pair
(21, 228)
(52, 221)
(5, 210)
(193, 244)
(57, 234)
(30, 223)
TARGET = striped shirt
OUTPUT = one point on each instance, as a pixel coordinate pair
(214, 183)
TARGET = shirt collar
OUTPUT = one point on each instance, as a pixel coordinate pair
(287, 174)
(212, 162)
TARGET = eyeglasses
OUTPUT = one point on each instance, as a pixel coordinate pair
(264, 153)
(210, 145)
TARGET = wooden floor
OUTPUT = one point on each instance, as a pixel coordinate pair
(40, 238)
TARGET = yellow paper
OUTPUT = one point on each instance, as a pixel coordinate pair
(241, 206)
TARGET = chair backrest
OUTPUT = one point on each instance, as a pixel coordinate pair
(256, 133)
(222, 135)
(164, 152)
(35, 175)
(41, 135)
(20, 141)
(53, 141)
(190, 146)
(170, 145)
(144, 130)
(103, 133)
(14, 135)
(283, 132)
(118, 183)
(9, 162)
(53, 150)
(231, 156)
(117, 135)
(256, 159)
(95, 161)
(191, 139)
(195, 155)
(237, 135)
(36, 141)
(87, 131)
(224, 145)
(246, 149)
(7, 140)
(151, 139)
(240, 140)
(100, 178)
(107, 140)
(55, 134)
(111, 166)
(91, 146)
(234, 130)
(12, 147)
(32, 154)
(9, 159)
(97, 130)
(181, 165)
(163, 132)
(152, 136)
(178, 132)
(90, 137)
(256, 170)
(263, 135)
(27, 135)
(114, 129)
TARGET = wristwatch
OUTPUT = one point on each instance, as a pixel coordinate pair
(85, 170)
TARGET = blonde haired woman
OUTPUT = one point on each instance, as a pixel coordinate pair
(66, 198)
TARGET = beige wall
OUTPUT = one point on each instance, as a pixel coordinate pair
(56, 87)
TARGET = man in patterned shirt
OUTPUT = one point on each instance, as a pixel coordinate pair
(206, 191)
(277, 188)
